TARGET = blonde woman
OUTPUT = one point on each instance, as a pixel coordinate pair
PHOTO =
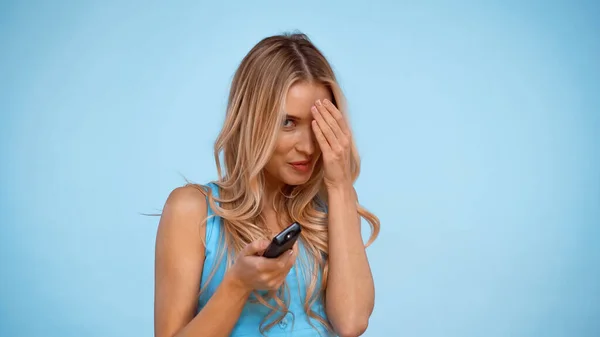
(288, 156)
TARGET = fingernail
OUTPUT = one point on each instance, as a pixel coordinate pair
(291, 251)
(319, 102)
(314, 109)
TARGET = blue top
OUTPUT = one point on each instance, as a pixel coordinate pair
(294, 324)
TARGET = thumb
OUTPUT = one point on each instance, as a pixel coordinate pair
(255, 247)
(289, 256)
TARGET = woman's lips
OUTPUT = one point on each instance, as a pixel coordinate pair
(301, 166)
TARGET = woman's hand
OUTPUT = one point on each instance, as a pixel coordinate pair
(254, 272)
(333, 135)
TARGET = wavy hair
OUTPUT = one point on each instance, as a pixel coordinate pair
(248, 137)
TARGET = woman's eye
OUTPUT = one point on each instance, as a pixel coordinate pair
(288, 123)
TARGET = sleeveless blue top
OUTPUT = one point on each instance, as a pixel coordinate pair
(296, 322)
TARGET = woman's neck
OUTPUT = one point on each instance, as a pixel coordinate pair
(272, 189)
(273, 217)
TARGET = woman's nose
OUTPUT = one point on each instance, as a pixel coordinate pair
(306, 141)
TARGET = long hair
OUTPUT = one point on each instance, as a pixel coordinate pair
(249, 134)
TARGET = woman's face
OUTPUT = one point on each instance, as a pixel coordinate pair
(296, 151)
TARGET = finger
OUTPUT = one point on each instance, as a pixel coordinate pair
(281, 263)
(285, 269)
(284, 258)
(327, 115)
(326, 130)
(337, 115)
(255, 248)
(274, 266)
(291, 260)
(323, 144)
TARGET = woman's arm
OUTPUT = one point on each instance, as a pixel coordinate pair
(350, 294)
(350, 289)
(178, 270)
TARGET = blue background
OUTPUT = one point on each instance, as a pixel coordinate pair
(478, 126)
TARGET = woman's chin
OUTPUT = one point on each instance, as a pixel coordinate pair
(297, 179)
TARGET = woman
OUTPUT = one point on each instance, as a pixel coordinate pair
(288, 157)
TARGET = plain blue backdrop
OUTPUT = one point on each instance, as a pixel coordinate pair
(478, 125)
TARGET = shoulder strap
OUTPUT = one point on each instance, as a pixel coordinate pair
(213, 223)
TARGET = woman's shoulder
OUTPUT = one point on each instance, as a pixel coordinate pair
(179, 238)
(187, 200)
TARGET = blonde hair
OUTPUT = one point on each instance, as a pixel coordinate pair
(246, 141)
